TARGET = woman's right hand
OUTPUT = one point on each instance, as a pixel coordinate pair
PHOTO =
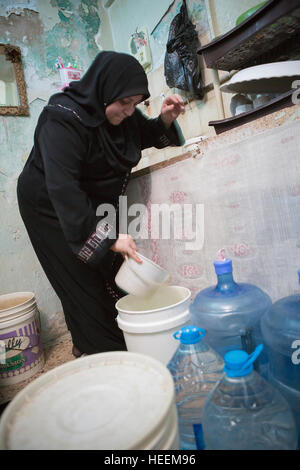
(126, 246)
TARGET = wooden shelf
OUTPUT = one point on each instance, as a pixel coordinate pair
(271, 34)
(280, 102)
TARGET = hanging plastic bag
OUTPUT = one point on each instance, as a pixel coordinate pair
(181, 62)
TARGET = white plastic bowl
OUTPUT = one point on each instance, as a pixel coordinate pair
(275, 77)
(141, 279)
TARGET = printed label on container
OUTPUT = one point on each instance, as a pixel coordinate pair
(19, 351)
(16, 344)
(12, 355)
(13, 363)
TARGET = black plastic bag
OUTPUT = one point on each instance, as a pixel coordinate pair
(181, 62)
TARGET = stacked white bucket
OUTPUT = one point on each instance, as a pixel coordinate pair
(108, 401)
(21, 353)
(152, 311)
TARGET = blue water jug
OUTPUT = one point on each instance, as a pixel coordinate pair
(245, 412)
(195, 368)
(281, 333)
(292, 396)
(230, 313)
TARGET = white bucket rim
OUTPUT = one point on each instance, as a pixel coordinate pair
(167, 307)
(155, 265)
(153, 327)
(12, 320)
(112, 357)
(30, 295)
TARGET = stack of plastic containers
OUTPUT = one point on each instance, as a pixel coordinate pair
(195, 368)
(281, 333)
(231, 313)
(245, 412)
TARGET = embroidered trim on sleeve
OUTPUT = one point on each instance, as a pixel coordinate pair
(94, 241)
(164, 140)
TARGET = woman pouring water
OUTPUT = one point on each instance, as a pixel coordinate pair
(87, 140)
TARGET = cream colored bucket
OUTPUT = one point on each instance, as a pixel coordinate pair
(21, 353)
(141, 279)
(148, 323)
(113, 401)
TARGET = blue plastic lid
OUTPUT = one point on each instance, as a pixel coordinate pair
(189, 334)
(239, 363)
(223, 267)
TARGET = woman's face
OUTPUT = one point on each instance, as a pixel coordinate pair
(119, 110)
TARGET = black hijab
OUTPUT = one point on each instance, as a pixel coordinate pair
(111, 76)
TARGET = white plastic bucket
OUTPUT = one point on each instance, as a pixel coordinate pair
(148, 323)
(114, 401)
(21, 352)
(141, 279)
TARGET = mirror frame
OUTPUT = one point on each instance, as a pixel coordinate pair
(13, 54)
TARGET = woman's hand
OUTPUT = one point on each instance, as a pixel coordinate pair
(171, 108)
(126, 246)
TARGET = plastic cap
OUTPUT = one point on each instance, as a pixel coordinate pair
(239, 363)
(189, 334)
(223, 267)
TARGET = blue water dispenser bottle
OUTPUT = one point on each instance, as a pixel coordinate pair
(230, 312)
(281, 334)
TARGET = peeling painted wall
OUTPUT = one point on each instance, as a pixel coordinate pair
(43, 30)
(68, 28)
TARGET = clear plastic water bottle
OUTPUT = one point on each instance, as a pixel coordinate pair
(281, 334)
(231, 312)
(244, 412)
(195, 368)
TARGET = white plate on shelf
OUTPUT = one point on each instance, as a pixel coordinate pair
(276, 77)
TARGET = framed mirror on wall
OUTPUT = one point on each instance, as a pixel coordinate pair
(13, 97)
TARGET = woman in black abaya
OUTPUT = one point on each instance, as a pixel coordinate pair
(87, 140)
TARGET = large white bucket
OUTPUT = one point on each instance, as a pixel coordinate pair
(148, 323)
(112, 401)
(21, 352)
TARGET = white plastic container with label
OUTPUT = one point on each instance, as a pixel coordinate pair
(21, 351)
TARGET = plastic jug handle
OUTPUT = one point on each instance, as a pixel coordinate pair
(253, 356)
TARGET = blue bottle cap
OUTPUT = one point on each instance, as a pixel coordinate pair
(239, 363)
(223, 267)
(190, 334)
